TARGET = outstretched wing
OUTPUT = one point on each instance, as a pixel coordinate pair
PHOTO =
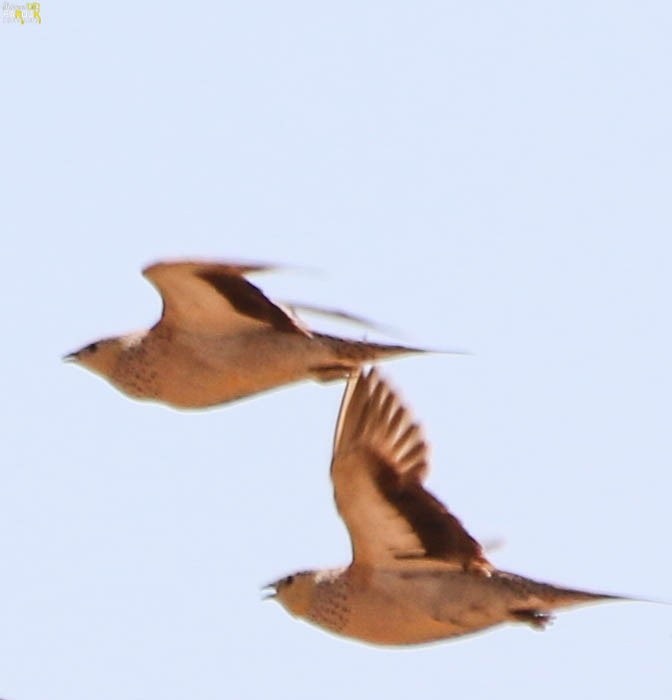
(205, 297)
(380, 462)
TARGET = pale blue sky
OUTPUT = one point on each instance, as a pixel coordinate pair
(489, 176)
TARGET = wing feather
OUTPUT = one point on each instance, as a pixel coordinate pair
(216, 298)
(380, 461)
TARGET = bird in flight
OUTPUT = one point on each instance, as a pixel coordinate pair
(417, 575)
(220, 339)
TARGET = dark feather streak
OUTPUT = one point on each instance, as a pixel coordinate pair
(441, 534)
(248, 300)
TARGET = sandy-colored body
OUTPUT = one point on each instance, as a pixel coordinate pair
(196, 371)
(430, 602)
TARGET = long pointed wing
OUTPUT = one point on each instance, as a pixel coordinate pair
(204, 297)
(380, 462)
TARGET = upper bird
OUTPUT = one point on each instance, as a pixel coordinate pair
(417, 575)
(220, 339)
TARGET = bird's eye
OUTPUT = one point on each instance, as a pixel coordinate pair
(92, 348)
(288, 580)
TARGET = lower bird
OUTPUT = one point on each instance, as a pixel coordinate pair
(220, 339)
(417, 575)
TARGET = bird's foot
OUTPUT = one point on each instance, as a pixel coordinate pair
(331, 373)
(535, 618)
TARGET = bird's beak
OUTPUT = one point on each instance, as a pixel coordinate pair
(270, 591)
(71, 357)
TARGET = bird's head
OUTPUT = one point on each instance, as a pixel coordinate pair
(100, 357)
(294, 592)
